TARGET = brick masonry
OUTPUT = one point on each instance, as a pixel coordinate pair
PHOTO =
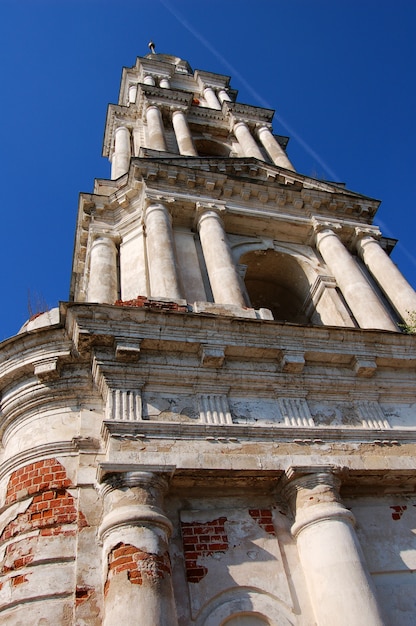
(398, 511)
(141, 567)
(51, 510)
(264, 519)
(202, 539)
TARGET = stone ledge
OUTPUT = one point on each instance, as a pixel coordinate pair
(233, 433)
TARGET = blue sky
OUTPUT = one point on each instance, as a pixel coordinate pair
(339, 73)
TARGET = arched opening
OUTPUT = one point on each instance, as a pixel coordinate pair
(209, 147)
(246, 619)
(278, 282)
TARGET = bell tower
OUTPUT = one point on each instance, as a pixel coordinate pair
(218, 428)
(182, 151)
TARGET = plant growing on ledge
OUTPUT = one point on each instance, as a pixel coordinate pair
(410, 327)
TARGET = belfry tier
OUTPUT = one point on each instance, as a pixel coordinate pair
(205, 210)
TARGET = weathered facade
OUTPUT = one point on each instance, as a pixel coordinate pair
(219, 427)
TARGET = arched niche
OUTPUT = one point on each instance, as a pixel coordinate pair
(277, 281)
(245, 606)
(246, 619)
(209, 147)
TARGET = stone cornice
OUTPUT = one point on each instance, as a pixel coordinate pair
(210, 79)
(379, 364)
(56, 448)
(251, 115)
(212, 118)
(278, 447)
(242, 433)
(148, 95)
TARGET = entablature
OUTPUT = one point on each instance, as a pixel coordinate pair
(344, 348)
(251, 115)
(193, 455)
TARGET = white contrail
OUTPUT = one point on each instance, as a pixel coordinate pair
(235, 73)
(399, 246)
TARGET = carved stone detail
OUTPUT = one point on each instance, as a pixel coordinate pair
(295, 412)
(214, 409)
(372, 415)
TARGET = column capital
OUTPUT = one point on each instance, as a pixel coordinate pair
(126, 126)
(238, 122)
(151, 105)
(178, 108)
(362, 232)
(157, 199)
(134, 498)
(106, 235)
(313, 495)
(214, 209)
(118, 478)
(152, 205)
(320, 225)
(261, 126)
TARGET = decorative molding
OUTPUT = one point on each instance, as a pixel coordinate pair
(292, 362)
(212, 355)
(243, 433)
(127, 351)
(316, 292)
(124, 405)
(295, 412)
(364, 366)
(214, 409)
(372, 415)
(48, 369)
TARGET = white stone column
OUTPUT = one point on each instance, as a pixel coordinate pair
(247, 141)
(211, 98)
(274, 150)
(164, 281)
(102, 280)
(132, 94)
(341, 589)
(223, 96)
(155, 129)
(183, 134)
(164, 83)
(222, 273)
(401, 295)
(135, 536)
(357, 291)
(120, 161)
(149, 80)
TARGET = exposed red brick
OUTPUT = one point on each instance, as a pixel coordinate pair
(264, 519)
(16, 555)
(18, 580)
(398, 511)
(142, 301)
(196, 574)
(35, 315)
(140, 566)
(202, 539)
(52, 506)
(82, 594)
(36, 478)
